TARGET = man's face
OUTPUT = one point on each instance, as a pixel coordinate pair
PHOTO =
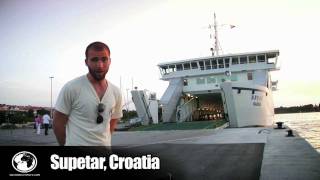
(98, 63)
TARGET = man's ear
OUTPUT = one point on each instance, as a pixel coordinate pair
(86, 61)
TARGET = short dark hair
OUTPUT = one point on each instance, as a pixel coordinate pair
(97, 46)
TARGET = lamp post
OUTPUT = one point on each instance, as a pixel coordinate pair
(127, 103)
(51, 77)
(10, 118)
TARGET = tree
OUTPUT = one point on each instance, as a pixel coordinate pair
(43, 111)
(17, 118)
(128, 115)
(2, 117)
(30, 113)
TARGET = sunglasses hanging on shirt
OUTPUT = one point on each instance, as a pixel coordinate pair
(101, 108)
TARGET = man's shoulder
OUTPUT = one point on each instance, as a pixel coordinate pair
(114, 89)
(76, 82)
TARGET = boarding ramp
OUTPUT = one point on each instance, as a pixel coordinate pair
(170, 100)
(139, 99)
(185, 110)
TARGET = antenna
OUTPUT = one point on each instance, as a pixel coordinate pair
(215, 50)
(216, 44)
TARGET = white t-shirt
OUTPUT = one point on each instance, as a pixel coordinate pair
(79, 100)
(46, 119)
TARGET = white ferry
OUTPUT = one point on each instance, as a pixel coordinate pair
(236, 87)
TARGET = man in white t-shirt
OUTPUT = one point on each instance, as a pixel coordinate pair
(46, 121)
(88, 107)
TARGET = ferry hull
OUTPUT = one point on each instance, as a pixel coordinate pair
(247, 105)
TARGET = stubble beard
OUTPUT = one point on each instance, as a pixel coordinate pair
(97, 76)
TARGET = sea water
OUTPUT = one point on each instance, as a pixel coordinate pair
(306, 124)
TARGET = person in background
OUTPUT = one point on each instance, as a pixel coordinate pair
(38, 123)
(35, 127)
(46, 121)
(88, 107)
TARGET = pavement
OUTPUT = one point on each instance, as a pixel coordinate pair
(204, 153)
(26, 137)
(289, 157)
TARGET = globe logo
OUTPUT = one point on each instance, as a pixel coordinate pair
(24, 162)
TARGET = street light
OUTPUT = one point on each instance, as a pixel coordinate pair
(51, 77)
(127, 103)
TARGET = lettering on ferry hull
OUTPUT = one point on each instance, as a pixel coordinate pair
(256, 100)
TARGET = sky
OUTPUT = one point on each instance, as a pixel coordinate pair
(43, 38)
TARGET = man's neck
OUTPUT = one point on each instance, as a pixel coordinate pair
(102, 82)
(99, 86)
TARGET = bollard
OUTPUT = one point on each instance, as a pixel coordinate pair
(290, 133)
(279, 125)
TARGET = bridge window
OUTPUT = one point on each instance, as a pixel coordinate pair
(226, 62)
(211, 80)
(172, 68)
(252, 59)
(208, 65)
(200, 80)
(179, 67)
(186, 66)
(214, 64)
(201, 65)
(194, 65)
(271, 58)
(261, 58)
(164, 69)
(243, 60)
(249, 75)
(235, 60)
(220, 63)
